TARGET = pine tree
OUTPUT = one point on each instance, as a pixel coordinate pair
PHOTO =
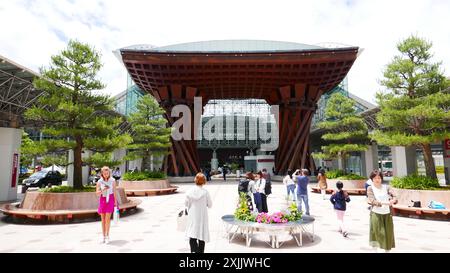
(151, 136)
(346, 132)
(414, 110)
(28, 150)
(71, 113)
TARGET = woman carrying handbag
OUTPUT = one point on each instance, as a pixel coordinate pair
(197, 203)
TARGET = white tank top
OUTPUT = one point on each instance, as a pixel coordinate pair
(381, 195)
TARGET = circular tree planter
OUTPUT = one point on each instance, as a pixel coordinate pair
(62, 206)
(351, 186)
(404, 205)
(146, 188)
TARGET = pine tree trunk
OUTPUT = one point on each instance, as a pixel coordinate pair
(77, 164)
(430, 168)
(344, 167)
(146, 162)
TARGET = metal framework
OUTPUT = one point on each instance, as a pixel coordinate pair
(242, 113)
(16, 92)
(294, 79)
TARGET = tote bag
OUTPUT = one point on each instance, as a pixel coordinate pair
(182, 220)
(116, 216)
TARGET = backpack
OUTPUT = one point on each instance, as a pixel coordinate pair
(243, 185)
(268, 187)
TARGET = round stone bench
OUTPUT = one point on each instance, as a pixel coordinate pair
(404, 205)
(146, 188)
(355, 187)
(63, 206)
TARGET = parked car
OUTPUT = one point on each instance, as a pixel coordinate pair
(43, 178)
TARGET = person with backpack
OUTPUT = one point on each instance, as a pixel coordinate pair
(261, 188)
(247, 186)
(268, 185)
(302, 190)
(339, 199)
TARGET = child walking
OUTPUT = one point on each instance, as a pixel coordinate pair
(339, 199)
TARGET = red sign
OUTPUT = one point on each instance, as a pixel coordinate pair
(14, 170)
(447, 148)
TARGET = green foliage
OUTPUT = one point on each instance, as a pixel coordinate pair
(340, 174)
(243, 212)
(345, 131)
(28, 150)
(294, 214)
(67, 189)
(234, 166)
(143, 176)
(98, 160)
(71, 112)
(352, 176)
(333, 174)
(416, 182)
(55, 159)
(414, 109)
(151, 134)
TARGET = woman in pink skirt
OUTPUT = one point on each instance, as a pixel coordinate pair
(106, 189)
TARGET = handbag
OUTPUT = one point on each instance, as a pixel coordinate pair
(182, 220)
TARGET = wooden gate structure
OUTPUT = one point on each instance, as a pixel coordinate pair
(290, 75)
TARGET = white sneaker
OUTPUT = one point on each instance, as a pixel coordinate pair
(102, 240)
(107, 240)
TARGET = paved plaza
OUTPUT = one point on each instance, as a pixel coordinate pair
(153, 229)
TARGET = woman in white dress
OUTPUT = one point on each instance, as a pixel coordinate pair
(197, 203)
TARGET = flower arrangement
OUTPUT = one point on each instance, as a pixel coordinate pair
(243, 213)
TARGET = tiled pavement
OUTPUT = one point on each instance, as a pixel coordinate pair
(153, 229)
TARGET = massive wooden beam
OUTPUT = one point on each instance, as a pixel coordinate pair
(294, 145)
(183, 153)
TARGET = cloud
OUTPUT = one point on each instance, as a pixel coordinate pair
(34, 30)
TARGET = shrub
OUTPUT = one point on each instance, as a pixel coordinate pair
(335, 174)
(67, 189)
(243, 213)
(139, 176)
(352, 176)
(416, 182)
(340, 174)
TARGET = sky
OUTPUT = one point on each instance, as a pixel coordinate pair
(32, 31)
